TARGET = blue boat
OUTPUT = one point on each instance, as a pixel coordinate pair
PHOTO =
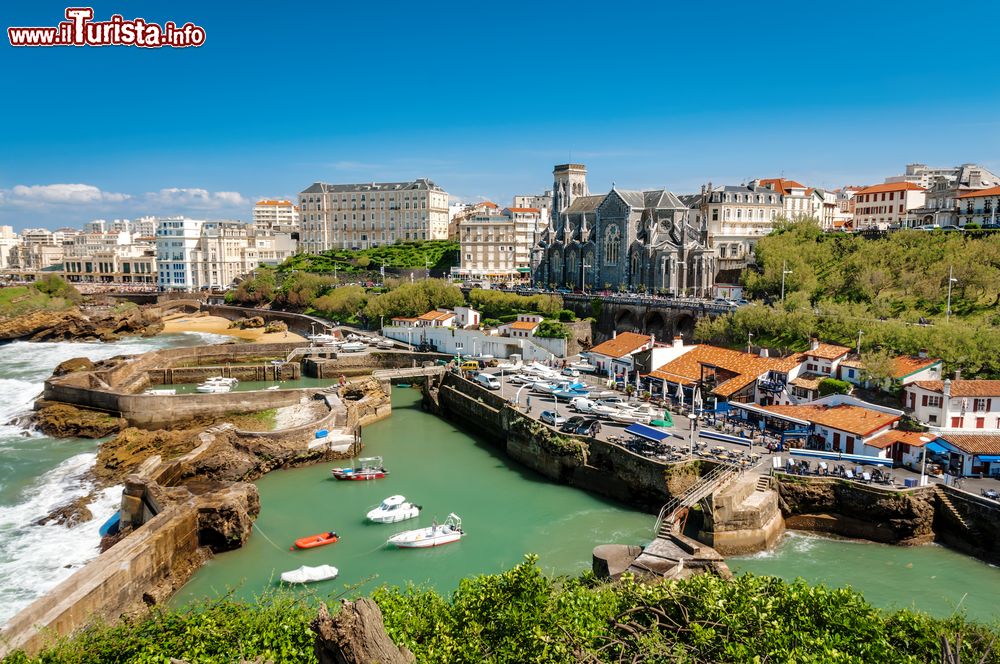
(110, 526)
(570, 393)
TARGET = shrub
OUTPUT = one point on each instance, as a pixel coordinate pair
(551, 329)
(566, 316)
(833, 386)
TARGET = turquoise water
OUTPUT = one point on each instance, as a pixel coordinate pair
(929, 578)
(246, 386)
(507, 511)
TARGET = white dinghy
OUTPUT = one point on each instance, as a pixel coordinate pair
(306, 574)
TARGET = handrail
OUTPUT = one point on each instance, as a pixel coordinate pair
(711, 481)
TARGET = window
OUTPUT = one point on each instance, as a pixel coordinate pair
(935, 402)
(980, 422)
(612, 245)
(956, 423)
(981, 405)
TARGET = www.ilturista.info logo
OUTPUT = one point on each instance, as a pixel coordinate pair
(79, 29)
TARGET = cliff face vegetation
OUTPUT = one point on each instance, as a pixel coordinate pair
(523, 616)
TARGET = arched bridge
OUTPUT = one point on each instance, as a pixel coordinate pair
(664, 318)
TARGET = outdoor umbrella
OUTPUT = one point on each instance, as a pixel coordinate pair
(696, 400)
(680, 395)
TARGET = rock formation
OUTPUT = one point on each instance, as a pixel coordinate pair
(356, 635)
(61, 420)
(103, 323)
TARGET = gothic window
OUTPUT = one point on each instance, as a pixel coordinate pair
(571, 267)
(612, 245)
(635, 265)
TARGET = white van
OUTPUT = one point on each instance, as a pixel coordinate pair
(487, 381)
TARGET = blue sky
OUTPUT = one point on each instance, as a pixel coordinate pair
(485, 98)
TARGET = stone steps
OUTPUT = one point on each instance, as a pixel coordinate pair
(763, 483)
(950, 506)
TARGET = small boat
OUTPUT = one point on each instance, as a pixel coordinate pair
(354, 347)
(369, 468)
(424, 538)
(306, 574)
(312, 541)
(393, 509)
(273, 388)
(217, 384)
(111, 526)
(544, 387)
(322, 338)
(570, 394)
(630, 417)
(160, 393)
(385, 344)
(583, 367)
(603, 410)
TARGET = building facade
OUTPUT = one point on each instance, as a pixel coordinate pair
(360, 216)
(529, 225)
(888, 205)
(276, 215)
(979, 207)
(627, 240)
(487, 248)
(737, 217)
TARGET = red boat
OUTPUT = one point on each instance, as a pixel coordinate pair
(370, 468)
(312, 541)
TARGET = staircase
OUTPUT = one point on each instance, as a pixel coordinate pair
(763, 483)
(950, 507)
(704, 487)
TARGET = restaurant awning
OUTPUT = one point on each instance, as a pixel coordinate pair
(649, 433)
(937, 448)
(750, 408)
(840, 456)
(989, 458)
(725, 438)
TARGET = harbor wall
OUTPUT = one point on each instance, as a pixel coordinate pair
(111, 585)
(583, 462)
(742, 518)
(968, 523)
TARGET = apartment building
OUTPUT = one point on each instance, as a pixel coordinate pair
(797, 199)
(360, 216)
(541, 202)
(273, 248)
(276, 215)
(488, 248)
(737, 217)
(979, 207)
(127, 264)
(177, 239)
(884, 205)
(923, 175)
(529, 225)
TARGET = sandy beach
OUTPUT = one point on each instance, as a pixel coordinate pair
(218, 325)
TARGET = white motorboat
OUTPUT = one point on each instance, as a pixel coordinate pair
(306, 574)
(354, 347)
(322, 338)
(273, 388)
(572, 372)
(217, 385)
(384, 344)
(393, 509)
(583, 367)
(544, 387)
(436, 535)
(630, 417)
(160, 393)
(602, 410)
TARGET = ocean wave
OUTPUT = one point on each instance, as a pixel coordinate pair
(33, 559)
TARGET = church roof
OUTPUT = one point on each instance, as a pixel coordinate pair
(656, 199)
(584, 204)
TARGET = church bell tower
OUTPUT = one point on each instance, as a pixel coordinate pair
(568, 182)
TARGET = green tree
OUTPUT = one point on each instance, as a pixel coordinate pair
(257, 289)
(342, 303)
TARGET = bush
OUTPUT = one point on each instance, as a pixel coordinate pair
(342, 303)
(551, 329)
(495, 303)
(55, 286)
(833, 386)
(566, 316)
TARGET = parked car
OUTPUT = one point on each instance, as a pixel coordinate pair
(571, 372)
(487, 381)
(552, 417)
(587, 427)
(570, 425)
(581, 404)
(470, 365)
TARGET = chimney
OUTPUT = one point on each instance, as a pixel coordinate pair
(652, 340)
(947, 388)
(922, 354)
(764, 353)
(614, 334)
(813, 343)
(958, 374)
(678, 342)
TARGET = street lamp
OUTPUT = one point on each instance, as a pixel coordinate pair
(923, 461)
(860, 332)
(409, 337)
(784, 271)
(749, 345)
(585, 266)
(951, 280)
(694, 419)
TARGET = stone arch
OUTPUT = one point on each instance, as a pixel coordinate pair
(657, 324)
(625, 320)
(684, 326)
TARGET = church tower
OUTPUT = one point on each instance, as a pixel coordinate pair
(569, 182)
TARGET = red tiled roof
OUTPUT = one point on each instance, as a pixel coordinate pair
(436, 315)
(622, 345)
(911, 438)
(904, 365)
(975, 443)
(828, 351)
(270, 202)
(686, 369)
(852, 419)
(891, 186)
(992, 191)
(780, 185)
(523, 325)
(964, 388)
(489, 204)
(535, 210)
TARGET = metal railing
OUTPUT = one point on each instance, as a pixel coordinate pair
(705, 486)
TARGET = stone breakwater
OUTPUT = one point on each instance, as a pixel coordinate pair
(177, 511)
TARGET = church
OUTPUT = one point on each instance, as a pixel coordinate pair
(638, 241)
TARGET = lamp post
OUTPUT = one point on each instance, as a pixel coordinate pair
(749, 345)
(923, 461)
(694, 420)
(784, 271)
(860, 332)
(584, 284)
(951, 280)
(409, 337)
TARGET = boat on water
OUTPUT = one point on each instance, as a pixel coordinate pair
(273, 388)
(160, 393)
(354, 346)
(368, 468)
(306, 574)
(217, 384)
(313, 541)
(393, 509)
(435, 535)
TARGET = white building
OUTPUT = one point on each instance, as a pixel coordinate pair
(737, 217)
(796, 198)
(125, 264)
(276, 215)
(8, 243)
(529, 224)
(542, 203)
(522, 328)
(177, 240)
(980, 207)
(614, 356)
(845, 424)
(360, 216)
(971, 406)
(273, 248)
(922, 175)
(884, 205)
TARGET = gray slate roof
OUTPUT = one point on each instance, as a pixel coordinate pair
(418, 184)
(584, 204)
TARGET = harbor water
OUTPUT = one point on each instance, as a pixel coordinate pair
(39, 474)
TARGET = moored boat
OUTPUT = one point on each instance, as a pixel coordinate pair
(435, 535)
(369, 468)
(306, 574)
(393, 509)
(584, 367)
(313, 541)
(217, 384)
(354, 347)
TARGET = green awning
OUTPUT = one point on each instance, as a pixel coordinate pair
(524, 269)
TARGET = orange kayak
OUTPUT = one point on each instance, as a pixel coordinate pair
(320, 539)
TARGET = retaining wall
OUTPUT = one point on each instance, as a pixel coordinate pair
(979, 535)
(110, 585)
(298, 323)
(740, 520)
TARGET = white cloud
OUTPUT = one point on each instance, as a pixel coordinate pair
(43, 194)
(199, 199)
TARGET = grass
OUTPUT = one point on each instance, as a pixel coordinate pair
(263, 420)
(438, 254)
(18, 300)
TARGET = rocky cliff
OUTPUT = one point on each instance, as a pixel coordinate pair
(61, 420)
(82, 324)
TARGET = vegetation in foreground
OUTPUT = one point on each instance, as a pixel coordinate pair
(523, 616)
